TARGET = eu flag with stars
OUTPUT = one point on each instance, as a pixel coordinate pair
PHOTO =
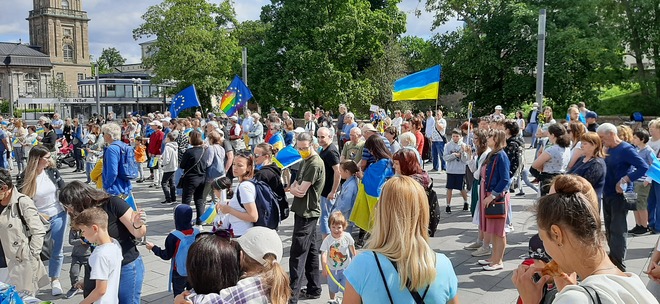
(184, 100)
(236, 96)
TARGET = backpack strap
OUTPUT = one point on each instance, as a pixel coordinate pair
(419, 299)
(597, 299)
(382, 275)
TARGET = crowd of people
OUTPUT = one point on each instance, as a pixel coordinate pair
(362, 185)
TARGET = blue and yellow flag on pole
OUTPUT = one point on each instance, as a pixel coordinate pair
(422, 85)
(277, 141)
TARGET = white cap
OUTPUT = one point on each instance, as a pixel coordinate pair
(498, 108)
(156, 123)
(536, 105)
(368, 127)
(299, 130)
(234, 118)
(166, 119)
(212, 123)
(259, 241)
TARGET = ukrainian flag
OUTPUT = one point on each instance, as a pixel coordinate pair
(209, 214)
(419, 86)
(369, 192)
(40, 131)
(287, 157)
(277, 141)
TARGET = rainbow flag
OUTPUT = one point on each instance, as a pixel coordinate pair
(208, 215)
(236, 96)
(369, 192)
(287, 157)
(277, 140)
(422, 85)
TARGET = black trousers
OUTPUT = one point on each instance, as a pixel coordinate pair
(167, 183)
(304, 256)
(80, 162)
(193, 189)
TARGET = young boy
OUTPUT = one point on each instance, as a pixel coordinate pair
(337, 250)
(174, 243)
(642, 185)
(79, 258)
(169, 162)
(105, 261)
(456, 159)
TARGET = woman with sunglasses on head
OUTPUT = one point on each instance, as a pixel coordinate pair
(570, 228)
(41, 182)
(20, 264)
(124, 225)
(239, 215)
(243, 270)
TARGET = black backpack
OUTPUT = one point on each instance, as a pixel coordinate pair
(267, 203)
(434, 209)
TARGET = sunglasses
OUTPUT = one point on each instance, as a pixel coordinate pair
(223, 233)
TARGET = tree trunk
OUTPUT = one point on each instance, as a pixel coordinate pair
(656, 60)
(636, 48)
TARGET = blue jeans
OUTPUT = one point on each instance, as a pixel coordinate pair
(615, 211)
(437, 150)
(177, 176)
(130, 282)
(532, 128)
(654, 211)
(326, 206)
(58, 225)
(19, 155)
(88, 170)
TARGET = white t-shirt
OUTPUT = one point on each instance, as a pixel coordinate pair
(654, 144)
(339, 255)
(610, 288)
(45, 198)
(248, 196)
(105, 262)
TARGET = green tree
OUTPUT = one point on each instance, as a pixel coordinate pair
(193, 44)
(420, 54)
(320, 59)
(493, 58)
(110, 58)
(383, 72)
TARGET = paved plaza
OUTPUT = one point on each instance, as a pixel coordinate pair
(454, 232)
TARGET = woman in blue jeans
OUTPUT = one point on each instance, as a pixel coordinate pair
(124, 225)
(41, 182)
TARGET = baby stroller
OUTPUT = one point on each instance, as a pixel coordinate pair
(65, 155)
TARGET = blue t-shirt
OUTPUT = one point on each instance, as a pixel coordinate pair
(365, 278)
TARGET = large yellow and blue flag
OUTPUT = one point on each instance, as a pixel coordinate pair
(287, 157)
(236, 96)
(369, 192)
(187, 98)
(418, 86)
(277, 141)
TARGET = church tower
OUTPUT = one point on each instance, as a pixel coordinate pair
(59, 28)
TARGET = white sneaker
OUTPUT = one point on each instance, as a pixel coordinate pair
(56, 288)
(473, 246)
(481, 252)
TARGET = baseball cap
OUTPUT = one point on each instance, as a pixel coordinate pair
(536, 250)
(591, 114)
(234, 118)
(368, 127)
(498, 108)
(259, 241)
(166, 119)
(212, 123)
(156, 123)
(299, 130)
(536, 105)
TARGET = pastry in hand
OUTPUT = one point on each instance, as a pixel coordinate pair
(552, 269)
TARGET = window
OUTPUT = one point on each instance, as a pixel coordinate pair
(81, 76)
(65, 4)
(60, 76)
(68, 52)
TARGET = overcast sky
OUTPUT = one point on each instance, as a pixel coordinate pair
(112, 22)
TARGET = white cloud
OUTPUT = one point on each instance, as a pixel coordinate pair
(112, 22)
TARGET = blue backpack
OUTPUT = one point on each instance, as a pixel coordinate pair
(128, 166)
(267, 205)
(185, 241)
(216, 169)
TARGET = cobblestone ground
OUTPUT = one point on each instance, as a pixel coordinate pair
(454, 232)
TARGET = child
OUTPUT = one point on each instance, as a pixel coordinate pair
(346, 198)
(642, 185)
(169, 162)
(222, 189)
(79, 258)
(456, 159)
(176, 248)
(338, 248)
(140, 156)
(105, 261)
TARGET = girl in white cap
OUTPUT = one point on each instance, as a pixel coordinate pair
(263, 280)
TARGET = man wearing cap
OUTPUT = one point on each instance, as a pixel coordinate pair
(497, 116)
(591, 117)
(353, 148)
(306, 191)
(368, 130)
(533, 123)
(154, 149)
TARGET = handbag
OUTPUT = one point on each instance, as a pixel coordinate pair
(47, 247)
(180, 183)
(497, 208)
(153, 162)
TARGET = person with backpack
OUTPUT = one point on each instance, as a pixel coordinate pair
(215, 160)
(115, 161)
(271, 174)
(239, 216)
(169, 163)
(176, 247)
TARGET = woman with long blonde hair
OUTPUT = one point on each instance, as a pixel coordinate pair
(398, 256)
(41, 181)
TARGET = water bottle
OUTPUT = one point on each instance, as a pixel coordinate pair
(624, 186)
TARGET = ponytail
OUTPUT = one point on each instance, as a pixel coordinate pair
(277, 280)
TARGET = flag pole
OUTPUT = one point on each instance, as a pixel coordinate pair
(437, 98)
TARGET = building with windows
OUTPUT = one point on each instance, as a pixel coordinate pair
(24, 72)
(59, 29)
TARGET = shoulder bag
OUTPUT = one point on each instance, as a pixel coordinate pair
(180, 183)
(47, 247)
(497, 208)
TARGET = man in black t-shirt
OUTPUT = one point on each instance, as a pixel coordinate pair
(330, 156)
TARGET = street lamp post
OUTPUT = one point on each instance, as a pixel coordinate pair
(138, 84)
